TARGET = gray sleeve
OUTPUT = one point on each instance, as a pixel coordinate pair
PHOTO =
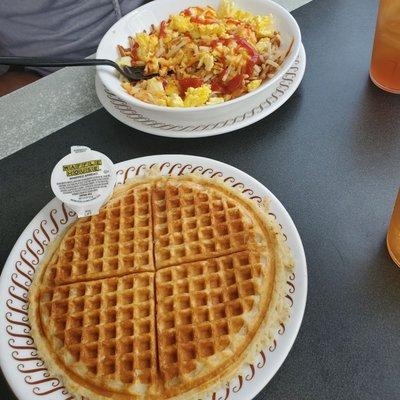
(76, 27)
(127, 6)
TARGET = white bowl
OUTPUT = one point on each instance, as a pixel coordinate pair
(158, 10)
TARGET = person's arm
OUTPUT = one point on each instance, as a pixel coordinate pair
(13, 80)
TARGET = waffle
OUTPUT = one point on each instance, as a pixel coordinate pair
(115, 242)
(203, 315)
(191, 224)
(164, 294)
(103, 331)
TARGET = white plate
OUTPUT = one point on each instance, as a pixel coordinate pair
(274, 99)
(24, 370)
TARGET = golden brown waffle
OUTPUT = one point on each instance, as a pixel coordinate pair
(203, 315)
(117, 241)
(165, 321)
(103, 331)
(193, 224)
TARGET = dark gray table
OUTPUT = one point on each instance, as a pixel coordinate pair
(331, 154)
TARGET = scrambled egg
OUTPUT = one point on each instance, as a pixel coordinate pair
(254, 85)
(174, 100)
(197, 96)
(169, 95)
(124, 61)
(263, 26)
(171, 88)
(147, 45)
(155, 87)
(209, 30)
(181, 23)
(227, 9)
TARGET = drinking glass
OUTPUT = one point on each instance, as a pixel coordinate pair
(385, 62)
(393, 235)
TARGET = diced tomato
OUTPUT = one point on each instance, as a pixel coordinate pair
(234, 84)
(203, 21)
(186, 83)
(214, 43)
(249, 67)
(216, 86)
(187, 12)
(254, 56)
(163, 26)
(229, 87)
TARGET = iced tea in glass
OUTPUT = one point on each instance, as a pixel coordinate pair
(385, 62)
(393, 235)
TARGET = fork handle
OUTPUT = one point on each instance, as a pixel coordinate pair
(54, 62)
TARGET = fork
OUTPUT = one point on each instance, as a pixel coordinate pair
(131, 73)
